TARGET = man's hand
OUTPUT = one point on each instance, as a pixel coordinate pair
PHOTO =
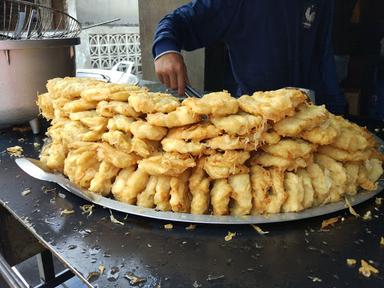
(172, 72)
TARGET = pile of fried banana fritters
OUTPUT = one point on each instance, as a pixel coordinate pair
(270, 152)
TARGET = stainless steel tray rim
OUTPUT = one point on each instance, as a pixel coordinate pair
(26, 165)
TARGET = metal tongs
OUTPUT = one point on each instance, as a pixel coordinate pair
(192, 92)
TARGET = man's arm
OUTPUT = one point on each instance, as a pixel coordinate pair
(192, 26)
(334, 97)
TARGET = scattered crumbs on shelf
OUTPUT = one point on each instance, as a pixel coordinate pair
(67, 212)
(366, 269)
(329, 222)
(168, 226)
(15, 151)
(25, 192)
(113, 219)
(259, 230)
(351, 261)
(229, 236)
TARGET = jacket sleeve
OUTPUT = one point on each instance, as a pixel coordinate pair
(194, 25)
(333, 96)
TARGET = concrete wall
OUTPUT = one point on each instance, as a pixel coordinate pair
(94, 11)
(150, 13)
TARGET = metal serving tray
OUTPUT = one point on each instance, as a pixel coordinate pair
(32, 167)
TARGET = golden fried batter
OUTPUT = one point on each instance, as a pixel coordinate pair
(268, 160)
(111, 108)
(115, 138)
(153, 102)
(104, 91)
(350, 136)
(352, 171)
(102, 182)
(146, 198)
(272, 105)
(337, 173)
(308, 117)
(290, 148)
(78, 105)
(323, 134)
(181, 146)
(224, 165)
(69, 87)
(120, 186)
(295, 190)
(261, 184)
(343, 155)
(238, 124)
(369, 173)
(81, 166)
(220, 196)
(224, 142)
(321, 182)
(277, 194)
(169, 164)
(116, 157)
(269, 137)
(162, 193)
(180, 200)
(309, 192)
(90, 119)
(145, 148)
(199, 188)
(215, 104)
(53, 156)
(144, 130)
(44, 101)
(120, 122)
(180, 117)
(241, 194)
(196, 132)
(118, 139)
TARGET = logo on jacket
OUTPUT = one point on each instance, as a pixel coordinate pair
(309, 16)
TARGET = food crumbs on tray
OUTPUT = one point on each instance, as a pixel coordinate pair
(66, 212)
(168, 226)
(87, 209)
(259, 230)
(378, 200)
(382, 241)
(114, 220)
(366, 269)
(133, 279)
(101, 269)
(350, 208)
(329, 222)
(229, 236)
(315, 279)
(25, 192)
(351, 261)
(214, 277)
(15, 151)
(190, 227)
(368, 215)
(92, 276)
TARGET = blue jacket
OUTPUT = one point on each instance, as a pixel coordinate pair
(271, 43)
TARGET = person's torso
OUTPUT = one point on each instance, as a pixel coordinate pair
(275, 43)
